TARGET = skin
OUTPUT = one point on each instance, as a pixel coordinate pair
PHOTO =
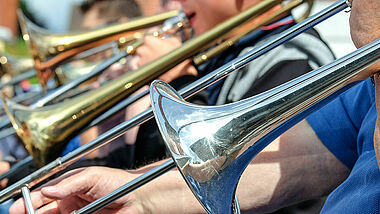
(365, 28)
(296, 166)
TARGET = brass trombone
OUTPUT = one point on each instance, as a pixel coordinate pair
(200, 59)
(42, 129)
(48, 50)
(61, 163)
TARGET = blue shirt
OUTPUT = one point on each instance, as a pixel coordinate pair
(346, 127)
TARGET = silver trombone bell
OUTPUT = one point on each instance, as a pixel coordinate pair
(212, 145)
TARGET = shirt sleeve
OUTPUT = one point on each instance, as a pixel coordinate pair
(337, 124)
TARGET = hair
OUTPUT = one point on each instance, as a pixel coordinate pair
(113, 8)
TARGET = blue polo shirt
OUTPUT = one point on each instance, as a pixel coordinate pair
(346, 127)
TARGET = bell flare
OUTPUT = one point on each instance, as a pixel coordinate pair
(204, 156)
(31, 126)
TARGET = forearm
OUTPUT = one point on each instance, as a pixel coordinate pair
(293, 168)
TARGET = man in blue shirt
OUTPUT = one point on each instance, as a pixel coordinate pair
(338, 158)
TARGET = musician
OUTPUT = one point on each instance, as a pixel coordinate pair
(311, 159)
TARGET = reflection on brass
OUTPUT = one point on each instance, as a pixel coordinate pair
(52, 126)
(48, 49)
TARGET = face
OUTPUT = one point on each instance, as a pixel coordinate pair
(205, 14)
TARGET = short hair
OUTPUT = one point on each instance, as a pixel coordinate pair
(113, 8)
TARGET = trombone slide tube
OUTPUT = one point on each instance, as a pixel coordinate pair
(237, 132)
(72, 84)
(220, 73)
(127, 188)
(28, 200)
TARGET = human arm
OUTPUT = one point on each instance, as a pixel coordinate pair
(365, 28)
(294, 167)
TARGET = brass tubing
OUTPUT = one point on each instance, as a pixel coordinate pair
(46, 130)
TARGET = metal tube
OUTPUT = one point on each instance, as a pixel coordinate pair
(72, 84)
(96, 71)
(127, 188)
(61, 163)
(252, 124)
(28, 200)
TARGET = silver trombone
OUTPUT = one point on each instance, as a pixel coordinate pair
(241, 130)
(218, 74)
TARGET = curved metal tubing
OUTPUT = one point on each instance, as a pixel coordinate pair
(72, 84)
(63, 162)
(169, 25)
(240, 130)
(212, 146)
(45, 131)
(45, 45)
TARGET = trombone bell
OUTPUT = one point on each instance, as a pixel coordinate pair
(200, 144)
(212, 146)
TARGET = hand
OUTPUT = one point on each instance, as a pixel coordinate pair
(78, 188)
(155, 47)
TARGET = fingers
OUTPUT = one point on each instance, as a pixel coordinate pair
(37, 200)
(155, 47)
(74, 184)
(53, 190)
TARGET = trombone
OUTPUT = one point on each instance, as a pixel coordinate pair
(48, 50)
(239, 130)
(49, 47)
(242, 129)
(66, 160)
(172, 24)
